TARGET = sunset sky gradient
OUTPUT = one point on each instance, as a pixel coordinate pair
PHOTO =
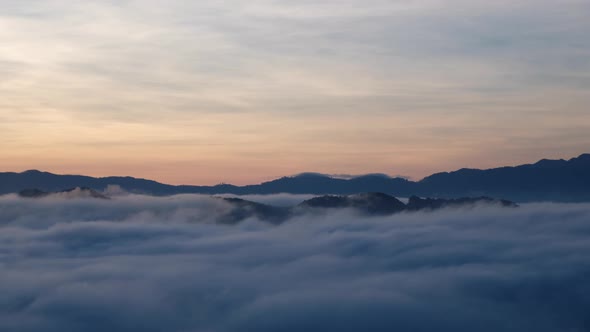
(202, 92)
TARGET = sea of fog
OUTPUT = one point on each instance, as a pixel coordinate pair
(138, 263)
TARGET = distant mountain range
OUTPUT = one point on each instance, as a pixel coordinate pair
(547, 180)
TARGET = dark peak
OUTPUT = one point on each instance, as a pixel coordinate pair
(374, 197)
(583, 158)
(84, 192)
(240, 201)
(242, 209)
(377, 203)
(225, 185)
(327, 201)
(316, 175)
(382, 204)
(416, 203)
(546, 163)
(32, 193)
(469, 170)
(33, 171)
(435, 175)
(368, 203)
(371, 176)
(310, 175)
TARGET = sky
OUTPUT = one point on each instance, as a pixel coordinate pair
(202, 92)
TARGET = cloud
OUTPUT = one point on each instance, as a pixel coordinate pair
(403, 84)
(153, 264)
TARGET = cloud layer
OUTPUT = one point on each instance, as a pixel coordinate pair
(160, 264)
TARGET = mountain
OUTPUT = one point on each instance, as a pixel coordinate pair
(243, 209)
(547, 180)
(307, 183)
(367, 204)
(15, 182)
(416, 203)
(375, 204)
(313, 183)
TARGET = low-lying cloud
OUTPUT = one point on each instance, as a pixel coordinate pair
(138, 263)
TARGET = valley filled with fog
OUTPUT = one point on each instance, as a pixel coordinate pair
(164, 264)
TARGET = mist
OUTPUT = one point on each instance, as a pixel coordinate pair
(139, 263)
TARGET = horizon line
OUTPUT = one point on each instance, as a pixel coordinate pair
(345, 177)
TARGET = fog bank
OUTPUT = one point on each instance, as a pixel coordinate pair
(137, 263)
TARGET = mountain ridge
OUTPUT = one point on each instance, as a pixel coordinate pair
(546, 180)
(366, 204)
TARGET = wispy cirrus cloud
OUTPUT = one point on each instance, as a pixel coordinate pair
(423, 82)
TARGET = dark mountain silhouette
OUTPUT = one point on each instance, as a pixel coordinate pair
(15, 182)
(546, 180)
(314, 183)
(367, 204)
(33, 193)
(243, 209)
(416, 203)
